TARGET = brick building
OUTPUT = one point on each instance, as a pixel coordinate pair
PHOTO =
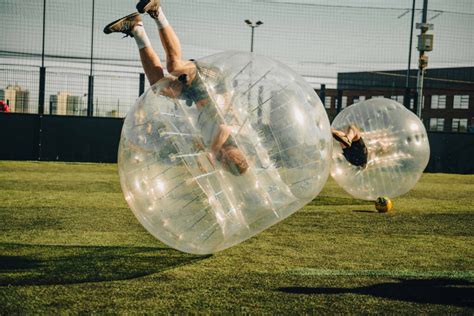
(448, 103)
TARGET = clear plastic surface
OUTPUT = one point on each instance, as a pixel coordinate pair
(397, 145)
(173, 188)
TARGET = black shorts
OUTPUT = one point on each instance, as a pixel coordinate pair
(357, 153)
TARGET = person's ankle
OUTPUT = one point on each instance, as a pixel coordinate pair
(161, 20)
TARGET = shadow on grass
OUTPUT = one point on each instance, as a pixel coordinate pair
(333, 200)
(364, 211)
(432, 291)
(47, 265)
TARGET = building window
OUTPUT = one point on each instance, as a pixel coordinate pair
(398, 98)
(438, 101)
(437, 124)
(327, 102)
(461, 102)
(459, 125)
(377, 97)
(344, 102)
(359, 99)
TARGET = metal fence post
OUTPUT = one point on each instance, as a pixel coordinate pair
(42, 85)
(415, 102)
(406, 98)
(90, 90)
(322, 94)
(141, 85)
(90, 97)
(42, 80)
(339, 101)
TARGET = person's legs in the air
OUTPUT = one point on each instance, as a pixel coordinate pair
(341, 137)
(347, 137)
(353, 133)
(352, 144)
(169, 39)
(131, 25)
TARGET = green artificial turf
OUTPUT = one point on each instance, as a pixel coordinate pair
(69, 244)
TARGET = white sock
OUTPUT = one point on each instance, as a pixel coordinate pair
(161, 20)
(140, 36)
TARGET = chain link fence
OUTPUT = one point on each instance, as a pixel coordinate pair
(87, 73)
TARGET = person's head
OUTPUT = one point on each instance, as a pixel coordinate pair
(233, 160)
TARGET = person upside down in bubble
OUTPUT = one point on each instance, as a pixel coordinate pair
(354, 148)
(185, 82)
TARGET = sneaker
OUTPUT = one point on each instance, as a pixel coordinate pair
(124, 25)
(149, 6)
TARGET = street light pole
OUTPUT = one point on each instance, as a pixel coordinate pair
(425, 44)
(251, 39)
(260, 91)
(253, 26)
(42, 81)
(406, 100)
(90, 90)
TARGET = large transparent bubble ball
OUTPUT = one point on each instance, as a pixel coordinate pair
(398, 149)
(277, 121)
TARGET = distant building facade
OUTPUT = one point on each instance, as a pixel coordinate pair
(448, 94)
(17, 98)
(63, 103)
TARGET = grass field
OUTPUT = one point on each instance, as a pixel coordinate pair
(70, 244)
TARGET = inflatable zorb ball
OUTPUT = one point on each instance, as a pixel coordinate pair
(277, 122)
(397, 144)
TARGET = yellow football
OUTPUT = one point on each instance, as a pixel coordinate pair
(383, 204)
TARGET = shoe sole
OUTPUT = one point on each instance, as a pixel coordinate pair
(142, 6)
(108, 26)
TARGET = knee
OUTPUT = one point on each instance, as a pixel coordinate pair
(178, 67)
(174, 67)
(353, 129)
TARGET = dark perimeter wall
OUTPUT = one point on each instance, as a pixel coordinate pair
(84, 139)
(62, 138)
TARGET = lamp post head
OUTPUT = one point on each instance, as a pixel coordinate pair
(251, 24)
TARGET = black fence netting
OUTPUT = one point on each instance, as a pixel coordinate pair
(320, 39)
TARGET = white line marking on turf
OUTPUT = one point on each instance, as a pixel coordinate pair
(469, 274)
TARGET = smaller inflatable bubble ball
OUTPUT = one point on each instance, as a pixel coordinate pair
(383, 204)
(397, 149)
(191, 198)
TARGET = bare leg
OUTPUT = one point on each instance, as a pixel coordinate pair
(341, 137)
(353, 133)
(150, 61)
(151, 64)
(172, 46)
(132, 25)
